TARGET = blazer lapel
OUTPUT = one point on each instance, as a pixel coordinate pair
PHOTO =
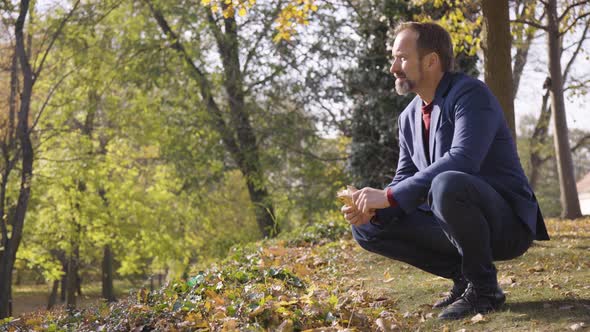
(434, 116)
(441, 91)
(418, 137)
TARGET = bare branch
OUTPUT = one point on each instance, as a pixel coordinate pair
(217, 33)
(263, 33)
(582, 142)
(581, 84)
(573, 23)
(264, 79)
(576, 52)
(47, 98)
(570, 7)
(343, 129)
(521, 56)
(54, 38)
(363, 19)
(531, 23)
(199, 76)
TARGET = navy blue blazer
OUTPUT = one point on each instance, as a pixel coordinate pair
(468, 133)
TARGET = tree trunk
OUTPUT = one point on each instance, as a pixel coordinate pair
(64, 282)
(5, 285)
(7, 146)
(244, 150)
(570, 204)
(53, 295)
(249, 156)
(10, 245)
(78, 281)
(71, 281)
(497, 57)
(537, 141)
(108, 292)
(523, 45)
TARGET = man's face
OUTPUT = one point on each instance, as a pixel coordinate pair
(406, 65)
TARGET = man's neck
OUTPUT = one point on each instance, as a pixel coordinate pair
(430, 84)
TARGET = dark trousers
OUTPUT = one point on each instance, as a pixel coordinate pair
(469, 227)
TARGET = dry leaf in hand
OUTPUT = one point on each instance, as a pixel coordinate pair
(345, 195)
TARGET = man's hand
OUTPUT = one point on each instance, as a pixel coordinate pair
(368, 199)
(355, 217)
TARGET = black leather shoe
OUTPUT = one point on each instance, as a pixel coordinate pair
(473, 301)
(459, 287)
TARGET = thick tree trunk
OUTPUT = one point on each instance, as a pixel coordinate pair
(6, 285)
(569, 196)
(497, 58)
(249, 155)
(108, 292)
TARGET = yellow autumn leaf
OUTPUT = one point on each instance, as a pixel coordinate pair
(228, 12)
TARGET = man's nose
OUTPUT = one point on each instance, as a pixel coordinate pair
(394, 67)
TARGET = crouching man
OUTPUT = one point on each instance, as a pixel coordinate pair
(459, 199)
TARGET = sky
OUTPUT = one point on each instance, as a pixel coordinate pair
(529, 96)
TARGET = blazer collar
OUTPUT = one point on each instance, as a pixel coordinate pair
(444, 85)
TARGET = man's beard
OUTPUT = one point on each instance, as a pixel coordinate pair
(403, 87)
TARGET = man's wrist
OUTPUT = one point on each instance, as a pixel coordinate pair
(390, 198)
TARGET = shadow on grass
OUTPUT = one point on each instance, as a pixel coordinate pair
(552, 310)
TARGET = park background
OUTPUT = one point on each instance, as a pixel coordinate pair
(143, 141)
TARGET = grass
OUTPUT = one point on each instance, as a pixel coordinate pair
(548, 288)
(27, 298)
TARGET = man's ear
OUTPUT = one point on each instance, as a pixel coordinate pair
(432, 61)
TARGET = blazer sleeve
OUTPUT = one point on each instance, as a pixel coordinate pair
(405, 169)
(477, 117)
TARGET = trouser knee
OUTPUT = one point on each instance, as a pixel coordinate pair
(365, 236)
(448, 189)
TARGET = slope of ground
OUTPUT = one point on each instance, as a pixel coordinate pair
(319, 279)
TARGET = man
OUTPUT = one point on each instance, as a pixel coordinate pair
(459, 199)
